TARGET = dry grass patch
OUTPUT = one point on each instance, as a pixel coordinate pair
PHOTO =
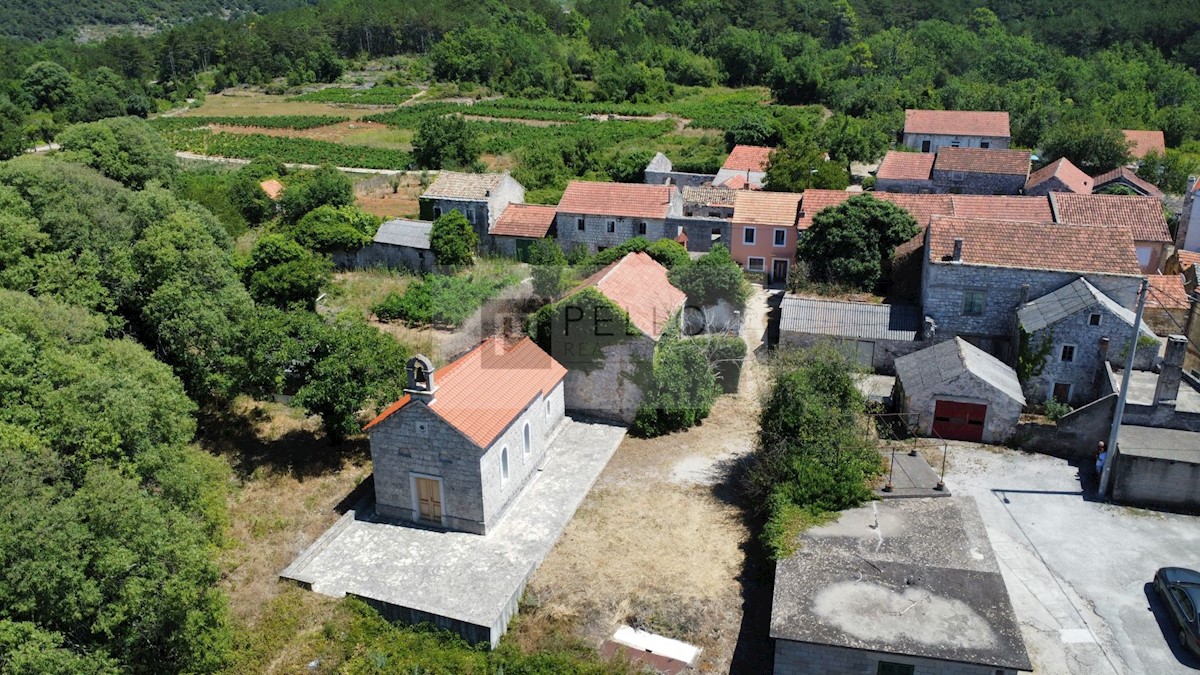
(250, 103)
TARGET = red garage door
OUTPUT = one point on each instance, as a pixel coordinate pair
(960, 421)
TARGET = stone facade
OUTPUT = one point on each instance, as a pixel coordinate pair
(660, 171)
(600, 231)
(1087, 354)
(975, 183)
(702, 233)
(946, 285)
(481, 213)
(1003, 413)
(914, 186)
(1172, 483)
(377, 254)
(1188, 236)
(883, 352)
(611, 392)
(800, 658)
(416, 441)
(935, 142)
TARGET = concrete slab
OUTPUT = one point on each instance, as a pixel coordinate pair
(459, 577)
(1142, 384)
(1075, 567)
(911, 476)
(875, 387)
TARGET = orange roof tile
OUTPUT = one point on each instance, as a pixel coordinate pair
(978, 160)
(272, 187)
(751, 207)
(1124, 174)
(484, 390)
(1142, 142)
(1142, 215)
(748, 158)
(815, 201)
(623, 200)
(525, 220)
(956, 123)
(1035, 246)
(739, 182)
(1187, 259)
(1167, 292)
(1003, 207)
(1070, 175)
(639, 285)
(898, 165)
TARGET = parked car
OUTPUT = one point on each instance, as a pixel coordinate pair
(1179, 589)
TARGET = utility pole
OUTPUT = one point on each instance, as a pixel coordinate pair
(1111, 449)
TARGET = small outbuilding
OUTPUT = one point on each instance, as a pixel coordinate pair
(956, 390)
(873, 335)
(398, 244)
(900, 586)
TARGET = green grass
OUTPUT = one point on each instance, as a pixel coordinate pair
(263, 121)
(380, 95)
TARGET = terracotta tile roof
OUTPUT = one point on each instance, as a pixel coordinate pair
(1142, 142)
(748, 158)
(639, 285)
(956, 123)
(778, 209)
(977, 160)
(1003, 207)
(455, 185)
(484, 390)
(623, 200)
(898, 165)
(739, 182)
(922, 207)
(708, 195)
(524, 220)
(1071, 176)
(1187, 259)
(1035, 246)
(272, 187)
(1167, 292)
(815, 201)
(1142, 215)
(1126, 175)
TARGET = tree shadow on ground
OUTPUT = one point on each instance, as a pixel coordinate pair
(754, 652)
(299, 453)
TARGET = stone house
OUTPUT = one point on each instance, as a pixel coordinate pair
(764, 233)
(932, 130)
(1143, 216)
(1082, 328)
(980, 172)
(1125, 176)
(899, 586)
(399, 243)
(481, 197)
(955, 390)
(637, 284)
(1059, 176)
(518, 227)
(745, 168)
(871, 334)
(708, 201)
(1167, 303)
(905, 172)
(600, 215)
(660, 171)
(976, 273)
(456, 451)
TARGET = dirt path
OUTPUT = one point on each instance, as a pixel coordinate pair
(663, 541)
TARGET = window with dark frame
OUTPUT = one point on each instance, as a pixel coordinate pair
(780, 237)
(641, 228)
(748, 235)
(1094, 320)
(579, 224)
(612, 226)
(890, 668)
(1068, 354)
(974, 302)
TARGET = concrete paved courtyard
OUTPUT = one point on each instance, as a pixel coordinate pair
(1078, 570)
(460, 577)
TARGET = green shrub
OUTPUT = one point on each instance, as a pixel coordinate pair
(681, 391)
(576, 329)
(336, 228)
(440, 300)
(669, 253)
(714, 277)
(1056, 410)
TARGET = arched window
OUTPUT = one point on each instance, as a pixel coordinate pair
(528, 444)
(504, 465)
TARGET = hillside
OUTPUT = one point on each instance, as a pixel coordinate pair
(43, 19)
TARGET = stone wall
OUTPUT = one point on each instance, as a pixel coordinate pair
(1003, 413)
(611, 392)
(699, 231)
(939, 141)
(416, 440)
(1052, 184)
(801, 658)
(679, 178)
(883, 352)
(1081, 372)
(944, 283)
(908, 186)
(385, 255)
(595, 234)
(972, 183)
(1075, 435)
(1150, 481)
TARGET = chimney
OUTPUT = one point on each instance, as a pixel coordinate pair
(1104, 343)
(421, 386)
(957, 257)
(1172, 370)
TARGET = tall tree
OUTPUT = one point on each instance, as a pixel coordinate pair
(453, 240)
(853, 242)
(445, 142)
